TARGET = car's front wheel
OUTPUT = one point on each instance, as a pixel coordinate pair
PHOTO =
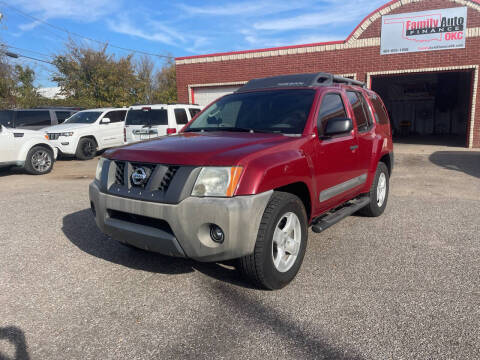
(39, 160)
(86, 149)
(280, 245)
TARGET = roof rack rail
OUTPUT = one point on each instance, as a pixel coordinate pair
(299, 80)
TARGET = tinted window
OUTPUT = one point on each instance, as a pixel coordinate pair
(84, 117)
(360, 110)
(381, 116)
(332, 108)
(181, 116)
(116, 116)
(6, 117)
(193, 112)
(62, 116)
(277, 111)
(147, 117)
(32, 118)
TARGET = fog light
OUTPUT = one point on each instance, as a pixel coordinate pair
(216, 233)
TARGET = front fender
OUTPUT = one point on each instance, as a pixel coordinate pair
(276, 170)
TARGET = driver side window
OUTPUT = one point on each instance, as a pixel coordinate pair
(332, 107)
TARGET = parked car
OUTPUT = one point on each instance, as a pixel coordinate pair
(247, 177)
(28, 149)
(145, 122)
(89, 131)
(35, 119)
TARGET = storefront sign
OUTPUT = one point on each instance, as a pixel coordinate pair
(439, 29)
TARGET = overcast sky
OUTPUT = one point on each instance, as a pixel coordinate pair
(178, 28)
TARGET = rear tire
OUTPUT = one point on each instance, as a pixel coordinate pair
(281, 243)
(86, 149)
(378, 193)
(39, 161)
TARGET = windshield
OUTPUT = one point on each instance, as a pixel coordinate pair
(275, 111)
(6, 117)
(83, 117)
(147, 117)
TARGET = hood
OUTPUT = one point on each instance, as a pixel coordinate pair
(218, 148)
(65, 127)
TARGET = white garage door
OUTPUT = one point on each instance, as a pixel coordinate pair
(205, 95)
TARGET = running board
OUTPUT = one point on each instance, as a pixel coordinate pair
(351, 207)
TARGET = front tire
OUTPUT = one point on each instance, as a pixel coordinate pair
(86, 149)
(39, 161)
(378, 193)
(281, 243)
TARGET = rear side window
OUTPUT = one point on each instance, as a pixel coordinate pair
(6, 118)
(181, 116)
(116, 116)
(331, 108)
(360, 110)
(62, 116)
(147, 117)
(193, 112)
(381, 116)
(32, 118)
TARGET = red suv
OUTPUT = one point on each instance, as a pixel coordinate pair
(249, 174)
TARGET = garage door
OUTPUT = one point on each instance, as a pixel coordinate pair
(205, 95)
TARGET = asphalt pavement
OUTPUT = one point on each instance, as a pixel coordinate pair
(405, 285)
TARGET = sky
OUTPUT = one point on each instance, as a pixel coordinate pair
(172, 28)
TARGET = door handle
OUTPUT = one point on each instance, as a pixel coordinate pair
(354, 147)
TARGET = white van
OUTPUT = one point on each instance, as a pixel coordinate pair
(145, 122)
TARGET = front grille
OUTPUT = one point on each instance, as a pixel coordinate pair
(53, 136)
(161, 183)
(140, 220)
(120, 173)
(167, 178)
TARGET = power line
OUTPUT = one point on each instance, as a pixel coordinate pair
(81, 36)
(31, 51)
(16, 56)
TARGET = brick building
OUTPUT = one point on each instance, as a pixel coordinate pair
(431, 95)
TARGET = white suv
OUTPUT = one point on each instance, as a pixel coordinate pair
(88, 131)
(29, 149)
(145, 122)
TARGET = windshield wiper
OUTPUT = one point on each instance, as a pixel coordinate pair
(240, 129)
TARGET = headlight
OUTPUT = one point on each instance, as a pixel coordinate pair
(66, 133)
(217, 181)
(98, 173)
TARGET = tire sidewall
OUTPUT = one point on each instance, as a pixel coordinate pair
(274, 278)
(378, 210)
(80, 154)
(28, 161)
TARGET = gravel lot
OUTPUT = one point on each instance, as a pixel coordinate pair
(402, 286)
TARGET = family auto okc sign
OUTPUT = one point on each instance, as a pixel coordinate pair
(439, 29)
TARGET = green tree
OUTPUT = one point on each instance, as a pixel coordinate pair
(93, 78)
(7, 84)
(165, 84)
(25, 92)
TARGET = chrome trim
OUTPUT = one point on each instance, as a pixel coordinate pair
(342, 187)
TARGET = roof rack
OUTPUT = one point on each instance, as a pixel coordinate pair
(299, 80)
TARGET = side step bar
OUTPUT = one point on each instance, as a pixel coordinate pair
(332, 218)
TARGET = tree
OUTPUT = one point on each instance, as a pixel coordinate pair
(25, 92)
(7, 84)
(146, 76)
(166, 85)
(92, 78)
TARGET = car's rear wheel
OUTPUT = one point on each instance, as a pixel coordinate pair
(378, 192)
(86, 149)
(281, 243)
(39, 160)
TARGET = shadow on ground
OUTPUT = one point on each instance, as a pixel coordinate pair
(463, 161)
(16, 337)
(80, 228)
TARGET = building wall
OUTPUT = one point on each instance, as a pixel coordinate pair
(341, 57)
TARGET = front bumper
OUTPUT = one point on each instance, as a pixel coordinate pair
(65, 144)
(187, 233)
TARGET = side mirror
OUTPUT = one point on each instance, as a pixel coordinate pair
(338, 126)
(105, 121)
